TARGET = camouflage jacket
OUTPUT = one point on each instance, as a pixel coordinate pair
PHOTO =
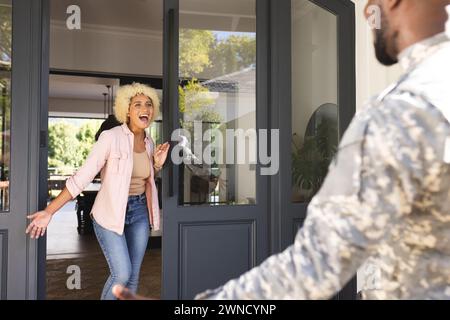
(385, 196)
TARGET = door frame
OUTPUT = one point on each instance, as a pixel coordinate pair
(29, 87)
(41, 134)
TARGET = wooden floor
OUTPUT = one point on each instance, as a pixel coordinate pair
(94, 272)
(66, 248)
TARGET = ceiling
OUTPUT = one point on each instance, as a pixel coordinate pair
(75, 87)
(137, 14)
(234, 15)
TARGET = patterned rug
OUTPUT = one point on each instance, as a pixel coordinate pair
(93, 274)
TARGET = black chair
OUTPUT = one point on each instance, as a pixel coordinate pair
(85, 201)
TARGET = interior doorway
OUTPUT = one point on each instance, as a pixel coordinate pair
(115, 43)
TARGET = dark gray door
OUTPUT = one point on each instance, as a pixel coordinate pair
(21, 86)
(215, 212)
(313, 99)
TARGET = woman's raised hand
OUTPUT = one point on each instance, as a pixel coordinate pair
(160, 154)
(39, 223)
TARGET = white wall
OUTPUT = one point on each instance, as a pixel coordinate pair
(371, 76)
(106, 49)
(78, 108)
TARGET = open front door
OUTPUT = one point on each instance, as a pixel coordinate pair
(215, 208)
(22, 82)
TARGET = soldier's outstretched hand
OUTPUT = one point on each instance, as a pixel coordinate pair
(122, 293)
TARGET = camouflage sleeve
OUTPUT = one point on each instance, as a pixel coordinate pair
(368, 190)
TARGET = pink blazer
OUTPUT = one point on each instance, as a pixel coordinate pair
(113, 155)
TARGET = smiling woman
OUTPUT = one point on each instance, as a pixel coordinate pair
(124, 97)
(117, 43)
(127, 202)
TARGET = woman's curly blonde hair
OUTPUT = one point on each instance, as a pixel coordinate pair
(127, 92)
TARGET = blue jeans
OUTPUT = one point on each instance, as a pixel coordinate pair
(124, 253)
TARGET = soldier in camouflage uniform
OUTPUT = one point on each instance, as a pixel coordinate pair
(393, 173)
(386, 195)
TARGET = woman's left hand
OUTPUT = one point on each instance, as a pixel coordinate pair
(160, 154)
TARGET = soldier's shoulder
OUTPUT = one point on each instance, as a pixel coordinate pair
(407, 109)
(407, 120)
(398, 115)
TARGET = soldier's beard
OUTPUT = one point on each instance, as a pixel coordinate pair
(381, 41)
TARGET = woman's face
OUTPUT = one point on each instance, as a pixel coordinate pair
(141, 111)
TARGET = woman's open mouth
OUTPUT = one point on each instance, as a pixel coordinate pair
(144, 118)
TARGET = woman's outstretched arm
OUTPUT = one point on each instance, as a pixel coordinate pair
(74, 185)
(41, 219)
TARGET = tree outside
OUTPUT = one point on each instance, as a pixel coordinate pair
(69, 143)
(5, 33)
(86, 138)
(206, 54)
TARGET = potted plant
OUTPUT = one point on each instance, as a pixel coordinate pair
(310, 160)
